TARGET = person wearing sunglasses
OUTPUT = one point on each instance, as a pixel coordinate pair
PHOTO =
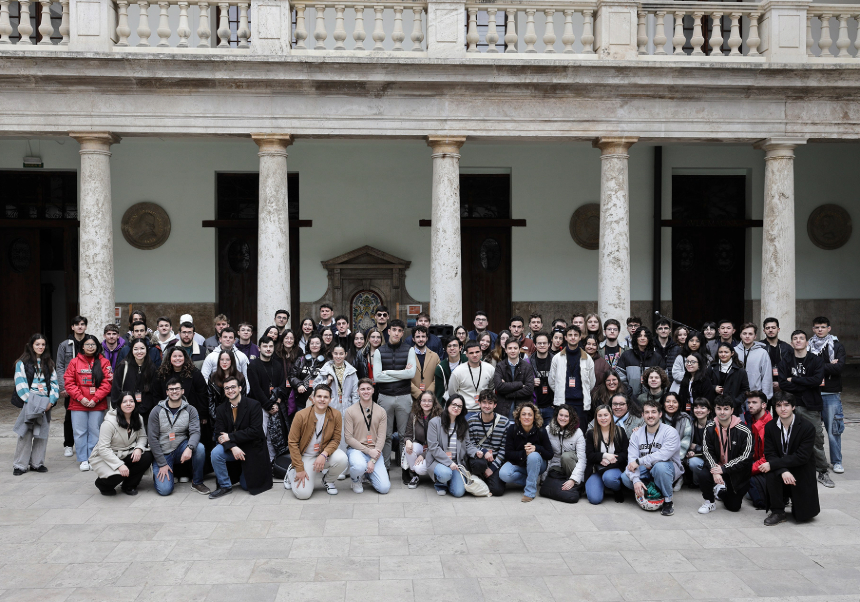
(381, 317)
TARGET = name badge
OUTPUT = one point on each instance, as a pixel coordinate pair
(41, 388)
(138, 397)
(369, 440)
(571, 382)
(92, 390)
(476, 399)
(421, 386)
(776, 372)
(448, 454)
(316, 448)
(545, 390)
(172, 436)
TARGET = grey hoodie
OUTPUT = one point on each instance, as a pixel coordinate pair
(185, 425)
(662, 446)
(759, 370)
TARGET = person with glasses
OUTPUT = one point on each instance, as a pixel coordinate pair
(623, 416)
(173, 431)
(449, 445)
(381, 318)
(696, 382)
(88, 383)
(481, 323)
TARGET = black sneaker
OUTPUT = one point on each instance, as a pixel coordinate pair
(220, 492)
(42, 468)
(129, 491)
(200, 488)
(618, 496)
(825, 480)
(775, 519)
(18, 472)
(668, 509)
(413, 482)
(108, 492)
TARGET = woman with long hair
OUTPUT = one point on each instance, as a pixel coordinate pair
(681, 422)
(527, 450)
(136, 373)
(88, 382)
(354, 351)
(329, 336)
(566, 470)
(272, 332)
(696, 381)
(226, 368)
(306, 371)
(499, 354)
(606, 457)
(592, 326)
(695, 343)
(486, 343)
(122, 455)
(37, 390)
(307, 328)
(680, 335)
(177, 363)
(364, 358)
(631, 366)
(601, 395)
(694, 460)
(415, 449)
(728, 376)
(447, 442)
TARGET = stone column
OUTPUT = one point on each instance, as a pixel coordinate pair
(95, 245)
(777, 249)
(446, 273)
(613, 267)
(273, 233)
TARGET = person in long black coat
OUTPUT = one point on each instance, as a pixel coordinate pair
(267, 380)
(797, 458)
(245, 432)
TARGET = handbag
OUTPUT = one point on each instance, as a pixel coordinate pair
(16, 401)
(474, 485)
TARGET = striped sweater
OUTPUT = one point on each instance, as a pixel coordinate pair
(23, 389)
(495, 442)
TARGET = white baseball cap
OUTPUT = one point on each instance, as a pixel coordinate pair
(185, 318)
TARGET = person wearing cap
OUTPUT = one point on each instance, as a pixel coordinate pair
(189, 344)
(198, 338)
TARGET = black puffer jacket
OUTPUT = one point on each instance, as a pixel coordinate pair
(516, 439)
(735, 382)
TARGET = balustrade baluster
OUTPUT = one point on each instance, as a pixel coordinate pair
(339, 29)
(184, 29)
(46, 28)
(5, 23)
(735, 39)
(122, 28)
(641, 32)
(224, 25)
(810, 42)
(549, 30)
(842, 42)
(511, 30)
(753, 40)
(825, 41)
(204, 33)
(472, 31)
(378, 29)
(143, 28)
(716, 41)
(568, 38)
(358, 33)
(492, 31)
(417, 28)
(25, 30)
(64, 23)
(397, 34)
(320, 34)
(163, 30)
(587, 31)
(678, 39)
(698, 40)
(857, 39)
(660, 32)
(301, 29)
(531, 37)
(244, 32)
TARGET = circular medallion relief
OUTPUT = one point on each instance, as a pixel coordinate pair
(145, 226)
(585, 226)
(829, 227)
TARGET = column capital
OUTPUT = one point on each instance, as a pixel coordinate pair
(779, 147)
(614, 145)
(272, 144)
(446, 145)
(98, 141)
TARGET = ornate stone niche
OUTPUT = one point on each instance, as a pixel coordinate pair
(358, 278)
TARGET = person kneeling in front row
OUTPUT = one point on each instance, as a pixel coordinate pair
(314, 439)
(527, 450)
(449, 445)
(364, 430)
(121, 456)
(239, 432)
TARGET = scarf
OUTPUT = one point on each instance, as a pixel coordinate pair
(816, 345)
(725, 366)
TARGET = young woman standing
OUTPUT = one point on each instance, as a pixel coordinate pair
(38, 391)
(88, 382)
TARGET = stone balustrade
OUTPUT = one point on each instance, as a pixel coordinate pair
(837, 26)
(18, 24)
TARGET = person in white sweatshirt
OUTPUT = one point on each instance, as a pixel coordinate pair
(471, 378)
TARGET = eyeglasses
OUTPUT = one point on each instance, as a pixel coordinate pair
(691, 362)
(174, 389)
(619, 405)
(231, 388)
(455, 406)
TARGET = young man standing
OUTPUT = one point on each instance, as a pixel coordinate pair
(517, 328)
(801, 374)
(471, 378)
(138, 332)
(776, 349)
(482, 323)
(326, 313)
(343, 336)
(112, 344)
(578, 320)
(789, 463)
(728, 450)
(726, 330)
(757, 419)
(487, 431)
(164, 334)
(514, 379)
(541, 362)
(227, 340)
(453, 358)
(655, 455)
(188, 343)
(665, 345)
(282, 318)
(198, 338)
(221, 322)
(832, 352)
(245, 344)
(381, 318)
(66, 352)
(535, 326)
(433, 342)
(633, 323)
(264, 376)
(314, 439)
(425, 373)
(365, 428)
(610, 347)
(394, 365)
(755, 359)
(571, 376)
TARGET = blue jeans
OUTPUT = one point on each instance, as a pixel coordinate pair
(85, 426)
(595, 485)
(526, 477)
(834, 424)
(198, 462)
(663, 475)
(450, 480)
(220, 457)
(547, 414)
(696, 466)
(358, 466)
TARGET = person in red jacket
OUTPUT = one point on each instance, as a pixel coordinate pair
(757, 417)
(88, 380)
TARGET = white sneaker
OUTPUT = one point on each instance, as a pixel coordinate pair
(330, 488)
(69, 452)
(677, 486)
(357, 486)
(341, 476)
(184, 479)
(288, 478)
(85, 466)
(837, 468)
(707, 507)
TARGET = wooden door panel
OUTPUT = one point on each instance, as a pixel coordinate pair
(20, 295)
(237, 274)
(487, 275)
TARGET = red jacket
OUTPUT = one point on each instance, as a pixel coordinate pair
(758, 432)
(79, 383)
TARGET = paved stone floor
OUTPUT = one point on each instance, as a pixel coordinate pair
(62, 541)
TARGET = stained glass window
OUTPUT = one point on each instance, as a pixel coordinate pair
(364, 306)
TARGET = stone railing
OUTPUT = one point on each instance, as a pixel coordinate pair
(785, 31)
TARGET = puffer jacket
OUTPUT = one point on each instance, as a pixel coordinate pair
(342, 397)
(115, 445)
(682, 423)
(80, 384)
(567, 440)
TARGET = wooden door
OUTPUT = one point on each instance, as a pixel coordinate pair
(20, 295)
(237, 274)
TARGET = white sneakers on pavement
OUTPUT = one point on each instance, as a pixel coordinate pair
(85, 466)
(68, 451)
(707, 507)
(357, 487)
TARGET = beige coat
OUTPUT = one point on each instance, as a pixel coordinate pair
(114, 446)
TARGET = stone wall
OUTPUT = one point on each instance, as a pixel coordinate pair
(203, 314)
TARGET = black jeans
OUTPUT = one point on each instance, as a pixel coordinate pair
(478, 466)
(758, 490)
(136, 470)
(68, 433)
(778, 492)
(731, 498)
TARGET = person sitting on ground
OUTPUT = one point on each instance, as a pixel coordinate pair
(239, 422)
(654, 454)
(566, 470)
(527, 450)
(487, 430)
(314, 439)
(681, 422)
(364, 429)
(415, 447)
(656, 385)
(448, 445)
(789, 462)
(758, 417)
(694, 459)
(122, 456)
(606, 456)
(727, 448)
(173, 432)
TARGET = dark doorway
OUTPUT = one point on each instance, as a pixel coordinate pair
(238, 201)
(38, 259)
(708, 248)
(486, 250)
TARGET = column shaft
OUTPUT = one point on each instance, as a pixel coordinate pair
(446, 274)
(613, 267)
(95, 246)
(273, 234)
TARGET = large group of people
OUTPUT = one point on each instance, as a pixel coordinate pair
(569, 411)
